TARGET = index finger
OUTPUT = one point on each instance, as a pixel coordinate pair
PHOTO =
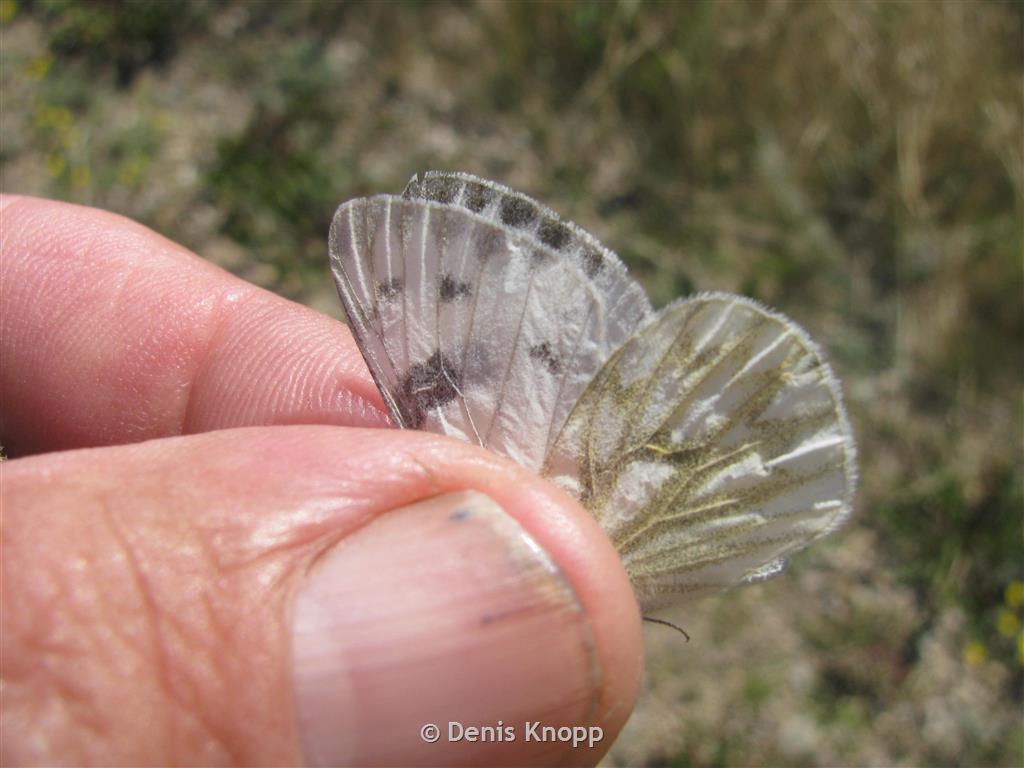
(110, 333)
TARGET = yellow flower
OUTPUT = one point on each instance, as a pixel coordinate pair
(1015, 594)
(975, 653)
(131, 171)
(80, 176)
(58, 118)
(61, 118)
(38, 67)
(55, 164)
(8, 10)
(1007, 623)
(161, 120)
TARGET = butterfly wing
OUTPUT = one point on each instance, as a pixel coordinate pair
(474, 326)
(710, 446)
(709, 441)
(624, 303)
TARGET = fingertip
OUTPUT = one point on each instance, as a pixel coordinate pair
(114, 334)
(6, 199)
(37, 226)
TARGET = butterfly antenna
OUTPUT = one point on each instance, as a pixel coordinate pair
(676, 627)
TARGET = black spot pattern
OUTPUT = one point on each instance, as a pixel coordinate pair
(451, 289)
(429, 385)
(554, 234)
(593, 261)
(441, 189)
(545, 355)
(477, 196)
(517, 212)
(389, 289)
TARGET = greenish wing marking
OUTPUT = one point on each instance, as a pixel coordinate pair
(722, 497)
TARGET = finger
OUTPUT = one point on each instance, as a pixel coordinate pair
(113, 334)
(279, 595)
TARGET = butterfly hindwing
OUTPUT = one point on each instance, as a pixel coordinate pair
(710, 446)
(371, 287)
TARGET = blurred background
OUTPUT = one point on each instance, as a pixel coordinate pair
(859, 166)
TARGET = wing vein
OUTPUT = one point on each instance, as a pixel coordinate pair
(551, 436)
(511, 360)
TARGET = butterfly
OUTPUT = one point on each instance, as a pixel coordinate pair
(708, 439)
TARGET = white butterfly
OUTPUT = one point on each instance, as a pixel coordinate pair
(708, 439)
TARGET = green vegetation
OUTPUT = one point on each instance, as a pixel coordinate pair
(858, 165)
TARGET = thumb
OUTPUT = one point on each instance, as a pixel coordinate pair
(455, 626)
(307, 594)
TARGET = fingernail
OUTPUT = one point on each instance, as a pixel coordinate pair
(444, 613)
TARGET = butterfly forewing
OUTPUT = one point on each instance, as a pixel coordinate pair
(470, 327)
(711, 446)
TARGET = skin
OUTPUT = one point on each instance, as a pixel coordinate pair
(185, 449)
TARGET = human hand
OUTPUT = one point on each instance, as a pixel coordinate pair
(214, 553)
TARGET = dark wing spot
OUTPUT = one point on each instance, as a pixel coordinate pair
(443, 189)
(593, 261)
(452, 289)
(487, 242)
(477, 196)
(538, 256)
(554, 234)
(389, 289)
(428, 385)
(544, 354)
(517, 211)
